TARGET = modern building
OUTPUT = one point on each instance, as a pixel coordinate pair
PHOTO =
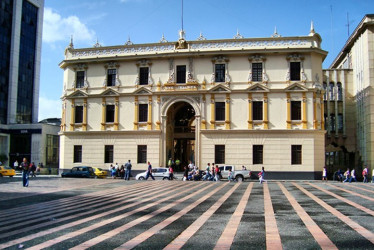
(349, 101)
(244, 101)
(20, 51)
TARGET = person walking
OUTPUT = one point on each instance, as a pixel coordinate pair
(365, 175)
(372, 176)
(347, 175)
(185, 173)
(33, 169)
(353, 176)
(149, 172)
(25, 166)
(262, 175)
(15, 165)
(171, 173)
(128, 167)
(114, 173)
(207, 172)
(324, 174)
(217, 172)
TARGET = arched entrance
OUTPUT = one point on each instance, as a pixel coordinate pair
(180, 133)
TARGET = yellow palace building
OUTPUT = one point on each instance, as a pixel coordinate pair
(243, 101)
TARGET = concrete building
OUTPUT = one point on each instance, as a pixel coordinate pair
(349, 100)
(253, 102)
(20, 51)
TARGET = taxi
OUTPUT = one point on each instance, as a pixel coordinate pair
(99, 173)
(7, 171)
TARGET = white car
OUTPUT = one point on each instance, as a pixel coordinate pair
(158, 173)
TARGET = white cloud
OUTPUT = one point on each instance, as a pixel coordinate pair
(57, 28)
(49, 108)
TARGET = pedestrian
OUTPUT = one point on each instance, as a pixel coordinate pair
(33, 169)
(207, 172)
(340, 175)
(185, 174)
(261, 175)
(230, 175)
(347, 175)
(190, 166)
(122, 172)
(114, 172)
(171, 173)
(128, 167)
(15, 165)
(149, 172)
(25, 166)
(324, 174)
(353, 176)
(372, 176)
(110, 170)
(365, 174)
(217, 173)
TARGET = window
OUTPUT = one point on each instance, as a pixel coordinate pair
(78, 114)
(181, 74)
(80, 79)
(332, 122)
(220, 73)
(295, 110)
(52, 150)
(257, 111)
(220, 111)
(325, 89)
(257, 72)
(108, 157)
(111, 77)
(143, 112)
(340, 122)
(340, 91)
(258, 154)
(295, 71)
(331, 85)
(77, 153)
(219, 154)
(109, 117)
(143, 75)
(296, 154)
(142, 153)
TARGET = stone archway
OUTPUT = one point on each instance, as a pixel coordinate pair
(180, 130)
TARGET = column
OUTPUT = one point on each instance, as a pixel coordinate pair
(227, 112)
(149, 122)
(72, 115)
(212, 112)
(342, 77)
(197, 142)
(289, 111)
(328, 103)
(322, 111)
(63, 118)
(304, 121)
(84, 124)
(315, 122)
(163, 140)
(266, 121)
(336, 103)
(250, 120)
(116, 113)
(103, 113)
(203, 121)
(158, 123)
(136, 113)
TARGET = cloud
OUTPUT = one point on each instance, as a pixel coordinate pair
(49, 108)
(57, 28)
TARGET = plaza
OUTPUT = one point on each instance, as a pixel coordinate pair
(60, 213)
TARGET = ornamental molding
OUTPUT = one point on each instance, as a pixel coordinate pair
(78, 94)
(258, 87)
(167, 47)
(296, 87)
(220, 88)
(142, 91)
(110, 92)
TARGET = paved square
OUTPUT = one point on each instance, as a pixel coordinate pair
(60, 213)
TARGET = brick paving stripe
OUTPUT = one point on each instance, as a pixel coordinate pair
(227, 237)
(351, 192)
(313, 228)
(358, 228)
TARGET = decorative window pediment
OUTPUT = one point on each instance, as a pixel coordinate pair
(220, 88)
(258, 88)
(142, 91)
(78, 94)
(144, 75)
(296, 87)
(110, 92)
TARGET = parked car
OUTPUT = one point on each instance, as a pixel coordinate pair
(158, 173)
(81, 171)
(99, 173)
(7, 171)
(238, 174)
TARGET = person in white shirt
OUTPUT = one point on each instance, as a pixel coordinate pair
(353, 176)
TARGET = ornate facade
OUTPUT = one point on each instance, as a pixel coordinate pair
(252, 102)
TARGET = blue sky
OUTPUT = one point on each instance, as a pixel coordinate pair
(113, 22)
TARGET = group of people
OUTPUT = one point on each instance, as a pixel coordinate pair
(350, 175)
(123, 171)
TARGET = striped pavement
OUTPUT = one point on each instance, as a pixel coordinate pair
(115, 214)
